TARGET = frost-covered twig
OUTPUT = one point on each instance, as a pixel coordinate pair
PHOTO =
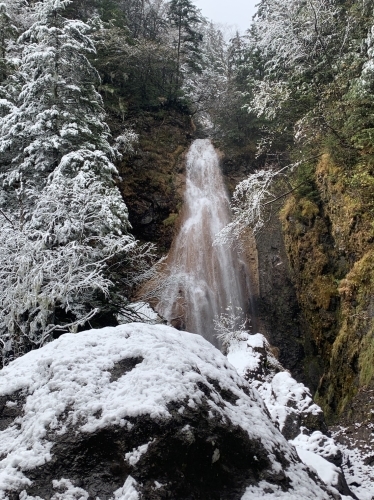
(248, 202)
(230, 326)
(251, 200)
(6, 217)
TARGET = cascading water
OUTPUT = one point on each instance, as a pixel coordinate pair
(205, 279)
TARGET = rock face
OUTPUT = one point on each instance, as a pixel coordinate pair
(140, 412)
(329, 242)
(153, 177)
(291, 408)
(278, 314)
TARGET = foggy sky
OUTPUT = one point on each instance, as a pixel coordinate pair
(233, 12)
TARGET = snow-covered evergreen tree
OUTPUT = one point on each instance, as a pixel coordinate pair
(65, 234)
(205, 88)
(7, 30)
(57, 108)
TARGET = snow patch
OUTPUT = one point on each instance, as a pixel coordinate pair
(128, 491)
(133, 456)
(327, 471)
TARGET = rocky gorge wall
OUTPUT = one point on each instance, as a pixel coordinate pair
(278, 313)
(152, 178)
(311, 266)
(331, 254)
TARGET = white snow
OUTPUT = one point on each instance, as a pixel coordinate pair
(316, 443)
(241, 354)
(133, 456)
(281, 393)
(246, 354)
(240, 359)
(269, 491)
(143, 311)
(327, 471)
(71, 376)
(67, 491)
(358, 473)
(128, 491)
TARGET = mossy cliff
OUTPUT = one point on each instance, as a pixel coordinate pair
(153, 176)
(329, 241)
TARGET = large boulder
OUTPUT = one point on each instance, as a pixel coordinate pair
(140, 412)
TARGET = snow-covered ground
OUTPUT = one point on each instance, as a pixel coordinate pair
(358, 462)
(85, 384)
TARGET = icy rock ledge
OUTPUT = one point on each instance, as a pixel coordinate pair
(140, 412)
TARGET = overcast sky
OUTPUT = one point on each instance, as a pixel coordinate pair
(233, 12)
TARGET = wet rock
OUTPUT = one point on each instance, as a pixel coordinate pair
(11, 407)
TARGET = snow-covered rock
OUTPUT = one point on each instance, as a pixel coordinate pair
(328, 472)
(320, 444)
(292, 409)
(290, 403)
(140, 412)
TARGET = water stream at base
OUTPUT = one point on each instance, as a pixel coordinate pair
(205, 279)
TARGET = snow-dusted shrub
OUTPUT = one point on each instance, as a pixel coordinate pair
(230, 326)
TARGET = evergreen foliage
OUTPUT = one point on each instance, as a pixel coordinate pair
(185, 18)
(7, 32)
(303, 73)
(65, 228)
(144, 53)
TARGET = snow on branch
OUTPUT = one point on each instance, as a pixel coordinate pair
(125, 142)
(248, 205)
(253, 198)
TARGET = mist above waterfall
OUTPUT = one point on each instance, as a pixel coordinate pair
(206, 279)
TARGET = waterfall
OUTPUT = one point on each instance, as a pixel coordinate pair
(205, 279)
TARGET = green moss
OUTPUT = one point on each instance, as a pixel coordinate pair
(152, 176)
(324, 289)
(171, 220)
(366, 362)
(309, 209)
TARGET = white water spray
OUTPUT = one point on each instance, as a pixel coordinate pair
(206, 279)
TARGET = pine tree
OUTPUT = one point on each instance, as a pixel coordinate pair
(7, 32)
(65, 241)
(57, 108)
(186, 18)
